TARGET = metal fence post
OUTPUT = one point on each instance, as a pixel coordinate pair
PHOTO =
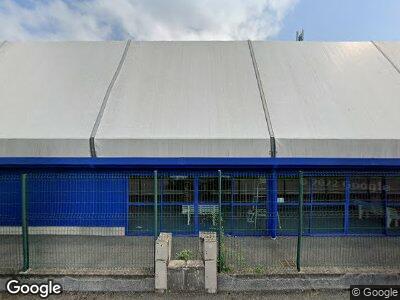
(384, 199)
(219, 217)
(155, 204)
(300, 229)
(155, 175)
(196, 204)
(25, 233)
(347, 186)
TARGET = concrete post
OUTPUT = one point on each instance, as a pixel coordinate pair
(162, 257)
(209, 249)
(168, 237)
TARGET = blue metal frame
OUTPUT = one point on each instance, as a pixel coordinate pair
(178, 162)
(272, 204)
(287, 165)
(127, 208)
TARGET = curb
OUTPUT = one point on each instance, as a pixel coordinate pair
(226, 283)
(302, 282)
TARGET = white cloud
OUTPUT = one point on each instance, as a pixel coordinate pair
(142, 19)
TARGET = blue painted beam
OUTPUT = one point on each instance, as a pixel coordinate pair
(179, 162)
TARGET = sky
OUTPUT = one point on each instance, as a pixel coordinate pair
(330, 20)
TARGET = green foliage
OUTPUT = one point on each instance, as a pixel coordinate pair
(185, 255)
(222, 264)
(258, 270)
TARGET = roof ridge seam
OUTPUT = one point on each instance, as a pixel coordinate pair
(387, 57)
(105, 100)
(263, 99)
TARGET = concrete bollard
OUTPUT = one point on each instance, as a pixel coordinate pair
(209, 250)
(162, 258)
(191, 275)
(186, 276)
(167, 237)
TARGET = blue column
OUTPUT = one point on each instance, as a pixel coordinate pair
(311, 182)
(272, 204)
(161, 183)
(196, 204)
(347, 187)
(127, 206)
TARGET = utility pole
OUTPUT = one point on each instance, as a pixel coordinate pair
(300, 35)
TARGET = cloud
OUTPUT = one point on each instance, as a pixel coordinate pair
(142, 19)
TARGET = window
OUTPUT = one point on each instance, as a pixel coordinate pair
(250, 190)
(209, 191)
(328, 189)
(177, 189)
(367, 188)
(141, 189)
(288, 190)
(392, 187)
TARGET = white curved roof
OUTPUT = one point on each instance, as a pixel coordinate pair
(199, 99)
(331, 99)
(50, 95)
(391, 50)
(184, 99)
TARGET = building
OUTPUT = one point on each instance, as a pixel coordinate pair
(131, 138)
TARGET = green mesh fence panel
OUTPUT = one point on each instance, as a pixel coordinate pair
(351, 218)
(83, 223)
(11, 257)
(106, 222)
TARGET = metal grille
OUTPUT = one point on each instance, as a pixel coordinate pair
(82, 223)
(105, 223)
(10, 224)
(349, 219)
